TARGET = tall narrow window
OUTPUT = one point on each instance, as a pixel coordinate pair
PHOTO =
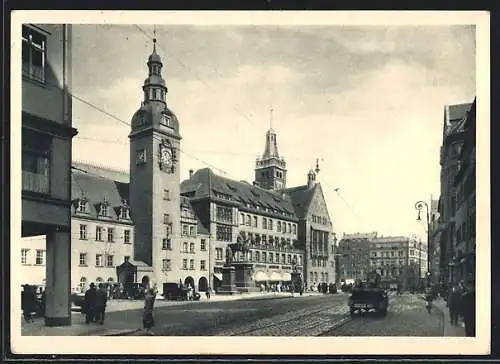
(24, 256)
(33, 54)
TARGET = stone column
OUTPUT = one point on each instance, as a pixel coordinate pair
(58, 273)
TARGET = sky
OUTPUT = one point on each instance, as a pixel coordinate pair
(368, 102)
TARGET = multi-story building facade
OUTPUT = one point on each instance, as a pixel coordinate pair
(434, 248)
(390, 257)
(464, 253)
(102, 226)
(453, 136)
(354, 256)
(47, 134)
(228, 208)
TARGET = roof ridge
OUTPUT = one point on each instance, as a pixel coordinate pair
(100, 166)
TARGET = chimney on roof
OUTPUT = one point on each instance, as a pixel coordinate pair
(190, 173)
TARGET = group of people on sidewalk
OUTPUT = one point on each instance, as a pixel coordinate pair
(94, 304)
(461, 302)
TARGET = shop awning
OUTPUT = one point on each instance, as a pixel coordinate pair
(275, 276)
(218, 276)
(286, 277)
(260, 276)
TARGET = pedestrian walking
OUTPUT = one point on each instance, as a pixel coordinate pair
(207, 293)
(454, 304)
(149, 301)
(28, 302)
(468, 311)
(100, 303)
(89, 302)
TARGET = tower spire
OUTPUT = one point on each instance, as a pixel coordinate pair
(271, 118)
(154, 38)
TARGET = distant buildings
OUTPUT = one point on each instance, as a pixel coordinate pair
(47, 134)
(397, 259)
(459, 121)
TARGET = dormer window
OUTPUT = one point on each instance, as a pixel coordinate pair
(103, 210)
(124, 210)
(82, 205)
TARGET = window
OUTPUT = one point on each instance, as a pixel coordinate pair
(98, 260)
(191, 247)
(39, 257)
(166, 194)
(248, 220)
(126, 258)
(224, 214)
(98, 233)
(166, 218)
(109, 261)
(111, 233)
(126, 236)
(203, 265)
(167, 264)
(242, 219)
(283, 258)
(35, 162)
(33, 54)
(82, 206)
(255, 221)
(83, 283)
(412, 252)
(103, 210)
(191, 264)
(218, 253)
(83, 259)
(257, 256)
(270, 224)
(224, 233)
(185, 247)
(294, 228)
(184, 230)
(264, 256)
(191, 231)
(124, 212)
(83, 232)
(300, 259)
(271, 257)
(264, 223)
(184, 263)
(24, 256)
(289, 228)
(289, 259)
(279, 226)
(203, 244)
(166, 244)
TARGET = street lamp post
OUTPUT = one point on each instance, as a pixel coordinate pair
(419, 205)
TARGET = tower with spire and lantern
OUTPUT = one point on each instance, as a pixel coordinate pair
(270, 169)
(154, 173)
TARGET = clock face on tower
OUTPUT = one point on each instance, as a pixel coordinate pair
(167, 158)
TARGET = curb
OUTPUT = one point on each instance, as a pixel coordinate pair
(122, 332)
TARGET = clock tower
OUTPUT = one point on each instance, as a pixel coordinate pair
(154, 174)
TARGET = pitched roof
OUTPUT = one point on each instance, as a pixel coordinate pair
(90, 185)
(301, 197)
(204, 183)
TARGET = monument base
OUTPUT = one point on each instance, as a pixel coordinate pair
(228, 286)
(244, 282)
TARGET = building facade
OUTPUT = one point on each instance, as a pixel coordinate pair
(453, 137)
(464, 253)
(228, 209)
(354, 256)
(47, 134)
(390, 257)
(434, 249)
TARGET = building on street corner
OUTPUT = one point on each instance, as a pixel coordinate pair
(47, 134)
(454, 134)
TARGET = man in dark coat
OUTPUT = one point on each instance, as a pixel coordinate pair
(100, 303)
(468, 311)
(89, 302)
(454, 305)
(28, 302)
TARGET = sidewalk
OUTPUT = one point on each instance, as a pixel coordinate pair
(449, 329)
(79, 328)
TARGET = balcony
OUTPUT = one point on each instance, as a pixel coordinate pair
(35, 182)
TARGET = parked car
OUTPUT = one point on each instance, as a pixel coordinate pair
(175, 291)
